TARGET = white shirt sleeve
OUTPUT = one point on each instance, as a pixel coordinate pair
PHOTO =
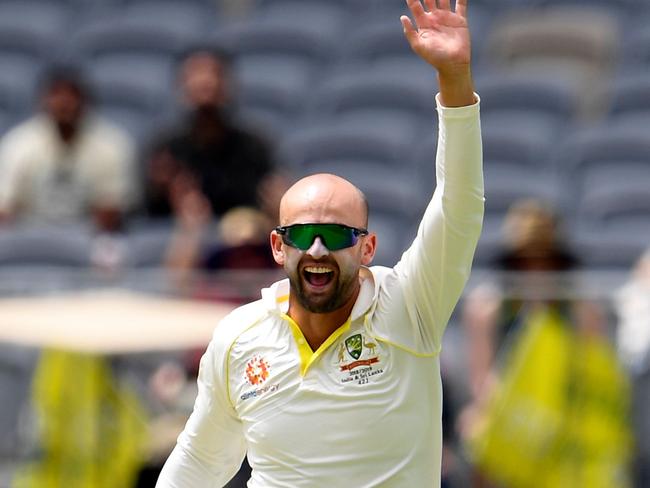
(211, 448)
(418, 297)
(114, 168)
(14, 169)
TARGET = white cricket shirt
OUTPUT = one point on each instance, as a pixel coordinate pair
(364, 410)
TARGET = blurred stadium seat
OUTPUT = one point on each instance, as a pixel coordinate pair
(14, 100)
(376, 93)
(132, 50)
(258, 40)
(42, 18)
(45, 245)
(139, 106)
(376, 157)
(546, 98)
(185, 18)
(332, 16)
(578, 43)
(630, 95)
(636, 44)
(606, 148)
(270, 95)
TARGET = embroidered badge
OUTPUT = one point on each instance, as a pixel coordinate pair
(366, 363)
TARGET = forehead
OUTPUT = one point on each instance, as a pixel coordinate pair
(201, 62)
(323, 202)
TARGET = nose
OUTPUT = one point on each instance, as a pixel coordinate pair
(318, 249)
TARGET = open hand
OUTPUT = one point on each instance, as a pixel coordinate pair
(439, 36)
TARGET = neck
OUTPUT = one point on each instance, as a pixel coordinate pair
(67, 131)
(317, 327)
(207, 124)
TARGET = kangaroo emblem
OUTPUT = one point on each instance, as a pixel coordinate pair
(341, 353)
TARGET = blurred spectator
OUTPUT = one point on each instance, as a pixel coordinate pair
(240, 242)
(231, 166)
(633, 337)
(544, 380)
(532, 243)
(65, 163)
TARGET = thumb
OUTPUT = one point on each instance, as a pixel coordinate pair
(409, 31)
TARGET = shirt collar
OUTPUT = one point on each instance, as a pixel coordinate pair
(276, 296)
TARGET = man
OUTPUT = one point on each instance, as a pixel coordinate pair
(227, 164)
(333, 377)
(65, 164)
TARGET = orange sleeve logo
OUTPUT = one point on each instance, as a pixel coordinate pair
(257, 371)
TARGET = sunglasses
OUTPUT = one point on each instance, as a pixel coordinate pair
(334, 236)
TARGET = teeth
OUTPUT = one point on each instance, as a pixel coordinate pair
(317, 269)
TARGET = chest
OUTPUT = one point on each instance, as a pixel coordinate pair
(359, 390)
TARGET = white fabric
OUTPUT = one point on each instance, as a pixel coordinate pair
(44, 179)
(367, 411)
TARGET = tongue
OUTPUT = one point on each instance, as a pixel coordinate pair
(318, 279)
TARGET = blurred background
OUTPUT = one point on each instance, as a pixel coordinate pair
(144, 145)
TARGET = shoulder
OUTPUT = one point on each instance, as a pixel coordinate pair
(35, 126)
(379, 273)
(26, 144)
(233, 325)
(109, 135)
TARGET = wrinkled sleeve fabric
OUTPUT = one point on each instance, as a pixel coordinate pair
(419, 295)
(211, 448)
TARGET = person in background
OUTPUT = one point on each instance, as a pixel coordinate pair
(539, 356)
(230, 166)
(532, 242)
(632, 305)
(65, 164)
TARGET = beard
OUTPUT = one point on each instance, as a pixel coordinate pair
(341, 288)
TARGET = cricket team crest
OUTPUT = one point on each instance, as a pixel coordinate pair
(358, 359)
(354, 345)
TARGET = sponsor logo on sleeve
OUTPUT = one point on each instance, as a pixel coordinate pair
(257, 372)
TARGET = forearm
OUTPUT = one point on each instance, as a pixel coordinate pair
(459, 165)
(183, 469)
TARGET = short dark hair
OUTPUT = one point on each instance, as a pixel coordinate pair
(215, 51)
(64, 73)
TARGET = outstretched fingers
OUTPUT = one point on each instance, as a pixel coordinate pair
(444, 5)
(461, 8)
(417, 10)
(430, 5)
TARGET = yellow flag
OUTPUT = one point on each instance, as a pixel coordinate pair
(92, 430)
(559, 415)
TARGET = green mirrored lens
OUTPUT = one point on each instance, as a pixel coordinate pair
(334, 236)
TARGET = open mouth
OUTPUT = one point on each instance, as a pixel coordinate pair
(318, 275)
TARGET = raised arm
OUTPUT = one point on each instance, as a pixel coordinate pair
(430, 277)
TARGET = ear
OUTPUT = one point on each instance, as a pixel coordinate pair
(276, 247)
(368, 247)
